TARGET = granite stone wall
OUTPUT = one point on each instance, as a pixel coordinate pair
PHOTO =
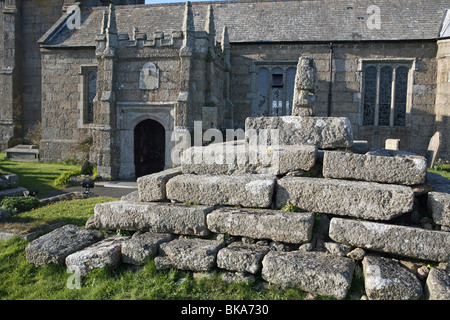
(346, 99)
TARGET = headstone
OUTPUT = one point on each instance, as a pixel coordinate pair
(26, 153)
(392, 144)
(433, 148)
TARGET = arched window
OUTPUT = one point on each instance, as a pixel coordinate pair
(275, 90)
(401, 85)
(92, 91)
(88, 92)
(385, 96)
(263, 92)
(385, 91)
(370, 96)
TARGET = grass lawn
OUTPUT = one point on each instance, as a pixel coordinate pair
(21, 280)
(445, 172)
(36, 175)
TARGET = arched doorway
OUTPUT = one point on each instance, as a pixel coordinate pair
(149, 147)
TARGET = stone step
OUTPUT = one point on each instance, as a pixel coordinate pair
(242, 257)
(157, 216)
(400, 240)
(247, 190)
(439, 204)
(227, 158)
(407, 169)
(276, 225)
(55, 246)
(189, 254)
(437, 286)
(366, 200)
(152, 187)
(105, 253)
(314, 272)
(323, 132)
(142, 246)
(386, 279)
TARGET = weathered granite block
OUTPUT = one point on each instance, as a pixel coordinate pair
(386, 279)
(324, 132)
(438, 182)
(367, 200)
(143, 245)
(408, 170)
(106, 253)
(189, 254)
(158, 217)
(439, 204)
(437, 286)
(314, 272)
(248, 190)
(242, 257)
(244, 158)
(216, 158)
(152, 187)
(400, 240)
(55, 246)
(277, 225)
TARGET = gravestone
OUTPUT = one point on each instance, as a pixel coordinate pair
(23, 153)
(433, 148)
(392, 144)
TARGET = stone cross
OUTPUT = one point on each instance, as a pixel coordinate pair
(306, 82)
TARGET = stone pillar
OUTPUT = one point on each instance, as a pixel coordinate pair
(305, 87)
(186, 55)
(228, 108)
(10, 76)
(105, 151)
(442, 107)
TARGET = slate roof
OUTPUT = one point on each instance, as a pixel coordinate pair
(273, 21)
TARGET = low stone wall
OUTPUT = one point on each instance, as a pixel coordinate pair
(308, 229)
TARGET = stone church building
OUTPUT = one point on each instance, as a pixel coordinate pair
(129, 75)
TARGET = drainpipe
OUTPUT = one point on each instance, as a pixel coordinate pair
(330, 84)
